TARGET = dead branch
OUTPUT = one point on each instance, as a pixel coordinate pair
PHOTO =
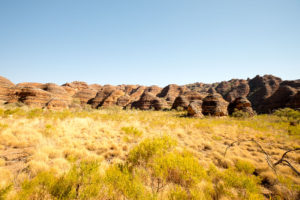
(271, 164)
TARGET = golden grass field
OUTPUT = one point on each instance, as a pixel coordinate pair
(36, 141)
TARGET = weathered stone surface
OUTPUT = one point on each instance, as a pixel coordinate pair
(60, 97)
(33, 96)
(101, 96)
(230, 90)
(85, 95)
(170, 92)
(112, 99)
(57, 104)
(30, 85)
(242, 104)
(294, 102)
(149, 101)
(95, 87)
(75, 87)
(281, 97)
(154, 89)
(124, 101)
(195, 109)
(6, 88)
(261, 88)
(185, 99)
(214, 105)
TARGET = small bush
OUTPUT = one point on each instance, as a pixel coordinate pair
(122, 183)
(142, 153)
(130, 130)
(288, 114)
(179, 168)
(240, 114)
(244, 166)
(4, 190)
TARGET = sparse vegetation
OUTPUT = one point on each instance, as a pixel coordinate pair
(84, 154)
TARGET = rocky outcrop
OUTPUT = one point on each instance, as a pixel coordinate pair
(184, 100)
(33, 96)
(149, 101)
(77, 85)
(85, 95)
(30, 85)
(170, 92)
(214, 105)
(294, 102)
(230, 90)
(137, 93)
(101, 96)
(195, 109)
(6, 88)
(60, 97)
(261, 88)
(241, 104)
(282, 97)
(153, 89)
(112, 99)
(124, 101)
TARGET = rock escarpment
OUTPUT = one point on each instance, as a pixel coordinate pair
(214, 105)
(264, 93)
(241, 104)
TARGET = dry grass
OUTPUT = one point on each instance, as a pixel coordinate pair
(32, 141)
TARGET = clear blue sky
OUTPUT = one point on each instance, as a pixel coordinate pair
(148, 41)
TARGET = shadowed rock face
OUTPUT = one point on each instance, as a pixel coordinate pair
(112, 99)
(185, 99)
(170, 92)
(149, 101)
(153, 89)
(266, 93)
(294, 102)
(233, 89)
(242, 104)
(101, 96)
(281, 97)
(33, 96)
(261, 88)
(214, 105)
(6, 88)
(85, 95)
(195, 109)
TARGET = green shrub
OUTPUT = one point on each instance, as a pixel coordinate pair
(4, 191)
(178, 168)
(288, 114)
(245, 166)
(81, 182)
(148, 148)
(240, 114)
(121, 183)
(130, 130)
(247, 186)
(36, 112)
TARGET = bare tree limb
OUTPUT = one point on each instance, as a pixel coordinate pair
(271, 164)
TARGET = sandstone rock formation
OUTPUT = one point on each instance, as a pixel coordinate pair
(281, 97)
(266, 93)
(170, 92)
(85, 95)
(261, 88)
(33, 96)
(185, 99)
(6, 88)
(195, 109)
(240, 104)
(214, 105)
(112, 99)
(149, 101)
(230, 90)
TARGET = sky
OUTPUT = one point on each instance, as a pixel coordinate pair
(148, 42)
